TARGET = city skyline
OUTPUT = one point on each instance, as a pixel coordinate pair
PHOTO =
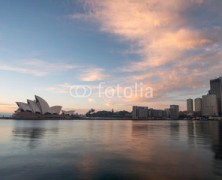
(48, 46)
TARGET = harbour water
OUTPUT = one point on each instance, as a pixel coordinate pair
(110, 149)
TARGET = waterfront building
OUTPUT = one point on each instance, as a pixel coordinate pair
(190, 105)
(140, 112)
(156, 113)
(174, 111)
(216, 88)
(167, 113)
(198, 104)
(209, 105)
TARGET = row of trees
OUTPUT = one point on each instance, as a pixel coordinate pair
(93, 113)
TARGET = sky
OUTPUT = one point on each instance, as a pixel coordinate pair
(53, 48)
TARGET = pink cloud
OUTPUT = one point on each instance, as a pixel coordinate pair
(175, 57)
(93, 74)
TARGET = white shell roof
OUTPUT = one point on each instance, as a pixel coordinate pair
(24, 106)
(39, 105)
(55, 109)
(44, 106)
(34, 106)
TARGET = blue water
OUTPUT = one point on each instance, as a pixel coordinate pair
(100, 149)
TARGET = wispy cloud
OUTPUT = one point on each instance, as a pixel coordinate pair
(160, 30)
(36, 67)
(93, 74)
(179, 46)
(59, 89)
(66, 87)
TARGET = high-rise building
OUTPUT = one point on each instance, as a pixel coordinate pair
(190, 105)
(140, 112)
(216, 88)
(174, 111)
(209, 105)
(198, 104)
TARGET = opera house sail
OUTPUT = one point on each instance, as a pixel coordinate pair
(37, 109)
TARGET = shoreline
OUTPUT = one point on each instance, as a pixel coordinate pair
(110, 119)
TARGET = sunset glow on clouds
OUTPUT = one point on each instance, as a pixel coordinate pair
(175, 48)
(94, 74)
(172, 46)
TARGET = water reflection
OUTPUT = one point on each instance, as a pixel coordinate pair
(174, 129)
(207, 134)
(32, 131)
(217, 141)
(113, 150)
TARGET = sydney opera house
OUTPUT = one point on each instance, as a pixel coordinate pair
(40, 109)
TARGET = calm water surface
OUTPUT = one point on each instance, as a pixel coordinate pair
(110, 150)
